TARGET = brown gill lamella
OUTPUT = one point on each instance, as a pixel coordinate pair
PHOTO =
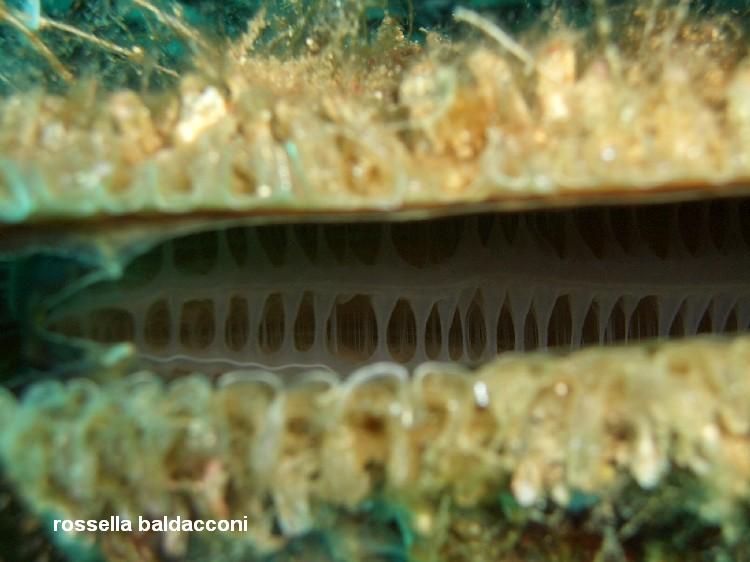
(463, 289)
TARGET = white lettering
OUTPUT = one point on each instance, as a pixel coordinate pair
(165, 524)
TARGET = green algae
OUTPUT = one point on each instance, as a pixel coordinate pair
(122, 23)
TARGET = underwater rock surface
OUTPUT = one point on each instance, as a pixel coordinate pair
(234, 236)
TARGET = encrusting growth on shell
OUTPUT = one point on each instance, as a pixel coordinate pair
(589, 431)
(387, 122)
(598, 454)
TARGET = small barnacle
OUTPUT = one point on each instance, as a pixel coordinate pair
(201, 108)
(648, 463)
(427, 91)
(556, 66)
(134, 127)
(499, 88)
(527, 484)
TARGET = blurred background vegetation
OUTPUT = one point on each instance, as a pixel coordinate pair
(128, 24)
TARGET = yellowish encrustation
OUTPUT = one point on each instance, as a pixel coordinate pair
(604, 424)
(654, 103)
